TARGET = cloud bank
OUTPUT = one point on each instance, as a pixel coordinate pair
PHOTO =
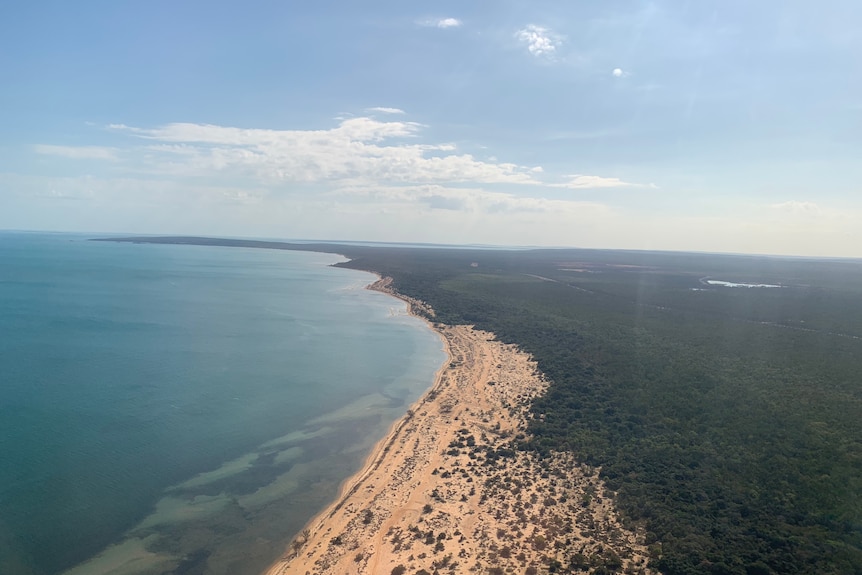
(358, 149)
(539, 40)
(357, 177)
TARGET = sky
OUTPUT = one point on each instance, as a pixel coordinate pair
(702, 125)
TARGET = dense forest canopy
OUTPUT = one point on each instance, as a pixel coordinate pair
(727, 418)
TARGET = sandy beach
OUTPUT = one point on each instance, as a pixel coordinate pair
(445, 491)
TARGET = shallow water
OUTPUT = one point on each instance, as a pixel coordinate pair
(191, 406)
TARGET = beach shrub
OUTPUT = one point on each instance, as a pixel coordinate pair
(539, 543)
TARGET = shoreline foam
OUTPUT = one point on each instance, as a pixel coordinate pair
(444, 491)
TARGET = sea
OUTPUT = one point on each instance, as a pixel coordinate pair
(186, 409)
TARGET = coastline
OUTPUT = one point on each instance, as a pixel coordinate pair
(446, 489)
(235, 518)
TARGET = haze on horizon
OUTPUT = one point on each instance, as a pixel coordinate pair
(722, 126)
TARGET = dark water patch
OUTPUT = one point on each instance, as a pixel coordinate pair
(262, 472)
(193, 564)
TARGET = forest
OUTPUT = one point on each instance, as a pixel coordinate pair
(726, 418)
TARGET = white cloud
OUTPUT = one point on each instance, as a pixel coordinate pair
(476, 201)
(77, 152)
(358, 149)
(539, 40)
(617, 72)
(360, 129)
(385, 110)
(440, 23)
(582, 182)
(448, 23)
(797, 208)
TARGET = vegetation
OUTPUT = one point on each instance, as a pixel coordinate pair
(726, 419)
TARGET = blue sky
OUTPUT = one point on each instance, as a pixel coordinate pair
(702, 125)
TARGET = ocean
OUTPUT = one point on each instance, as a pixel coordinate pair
(186, 409)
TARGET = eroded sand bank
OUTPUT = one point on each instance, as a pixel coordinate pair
(444, 492)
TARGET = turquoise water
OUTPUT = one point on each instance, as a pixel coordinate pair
(188, 408)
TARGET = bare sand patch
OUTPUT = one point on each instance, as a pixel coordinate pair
(445, 492)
